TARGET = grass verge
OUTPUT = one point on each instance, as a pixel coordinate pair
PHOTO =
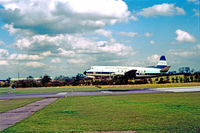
(6, 105)
(91, 88)
(164, 112)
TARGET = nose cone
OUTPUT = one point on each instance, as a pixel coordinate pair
(84, 73)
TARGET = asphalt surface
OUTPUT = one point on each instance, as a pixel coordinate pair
(96, 93)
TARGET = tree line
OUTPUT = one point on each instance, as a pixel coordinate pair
(79, 79)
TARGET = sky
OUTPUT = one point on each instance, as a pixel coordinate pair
(66, 37)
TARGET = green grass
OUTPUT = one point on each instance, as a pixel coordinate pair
(6, 105)
(90, 88)
(46, 89)
(165, 112)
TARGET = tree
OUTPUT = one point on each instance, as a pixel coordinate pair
(45, 80)
(184, 70)
(8, 79)
(62, 78)
(30, 77)
(79, 76)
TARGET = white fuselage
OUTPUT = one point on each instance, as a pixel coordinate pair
(96, 71)
(120, 70)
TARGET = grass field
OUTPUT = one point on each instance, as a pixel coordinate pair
(6, 105)
(165, 112)
(91, 88)
(46, 89)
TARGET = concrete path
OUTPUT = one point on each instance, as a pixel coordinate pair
(178, 89)
(78, 93)
(9, 118)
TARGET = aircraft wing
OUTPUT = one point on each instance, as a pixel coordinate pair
(131, 74)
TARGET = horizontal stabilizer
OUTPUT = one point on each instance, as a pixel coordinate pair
(165, 69)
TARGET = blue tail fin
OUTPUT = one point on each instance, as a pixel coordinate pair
(162, 63)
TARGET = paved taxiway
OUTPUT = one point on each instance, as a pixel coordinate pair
(104, 92)
(10, 117)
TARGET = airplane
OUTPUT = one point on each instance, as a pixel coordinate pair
(113, 71)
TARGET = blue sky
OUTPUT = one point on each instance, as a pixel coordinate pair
(65, 37)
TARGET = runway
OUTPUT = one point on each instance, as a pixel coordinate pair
(103, 92)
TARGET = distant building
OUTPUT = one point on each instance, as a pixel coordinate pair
(17, 79)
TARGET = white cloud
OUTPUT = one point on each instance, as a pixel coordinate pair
(116, 49)
(189, 52)
(196, 12)
(56, 60)
(147, 34)
(70, 45)
(161, 10)
(198, 46)
(152, 42)
(106, 33)
(179, 11)
(58, 16)
(10, 28)
(181, 53)
(3, 63)
(66, 52)
(76, 61)
(133, 18)
(3, 53)
(154, 58)
(128, 34)
(2, 43)
(23, 43)
(39, 42)
(183, 36)
(34, 64)
(47, 53)
(55, 30)
(16, 56)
